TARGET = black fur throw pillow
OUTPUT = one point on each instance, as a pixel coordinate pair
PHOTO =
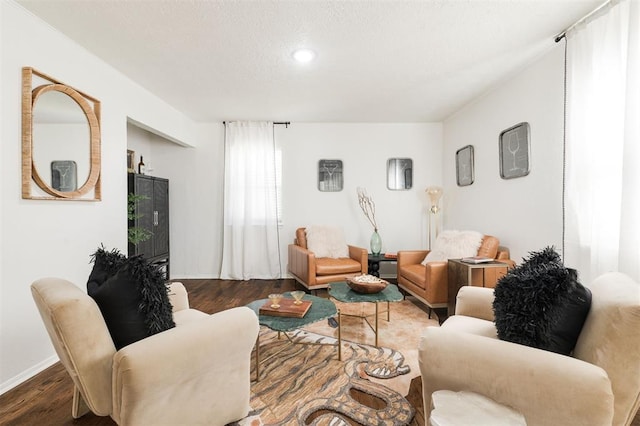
(105, 265)
(541, 303)
(132, 296)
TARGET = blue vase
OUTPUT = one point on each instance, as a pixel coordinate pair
(376, 243)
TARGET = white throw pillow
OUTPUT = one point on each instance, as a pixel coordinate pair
(326, 241)
(453, 244)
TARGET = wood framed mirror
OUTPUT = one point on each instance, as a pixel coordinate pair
(60, 140)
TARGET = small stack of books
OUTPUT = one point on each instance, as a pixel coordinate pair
(391, 255)
(476, 259)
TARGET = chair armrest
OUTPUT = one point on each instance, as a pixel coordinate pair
(302, 263)
(475, 302)
(547, 388)
(178, 296)
(436, 278)
(510, 263)
(197, 371)
(411, 257)
(361, 256)
(504, 256)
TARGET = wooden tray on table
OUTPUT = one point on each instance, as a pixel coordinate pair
(287, 308)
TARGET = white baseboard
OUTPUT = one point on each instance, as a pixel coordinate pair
(27, 374)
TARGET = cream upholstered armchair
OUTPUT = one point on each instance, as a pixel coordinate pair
(315, 270)
(428, 282)
(195, 373)
(598, 385)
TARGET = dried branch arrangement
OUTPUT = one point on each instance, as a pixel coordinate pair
(368, 207)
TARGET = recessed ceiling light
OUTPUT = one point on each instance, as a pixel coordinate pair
(304, 55)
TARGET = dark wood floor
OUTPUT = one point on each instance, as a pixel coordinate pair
(46, 398)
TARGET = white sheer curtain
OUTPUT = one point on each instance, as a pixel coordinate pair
(251, 247)
(602, 188)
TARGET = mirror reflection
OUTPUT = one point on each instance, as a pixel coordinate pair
(399, 173)
(61, 149)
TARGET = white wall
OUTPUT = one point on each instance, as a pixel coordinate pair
(525, 213)
(364, 149)
(196, 187)
(54, 238)
(195, 200)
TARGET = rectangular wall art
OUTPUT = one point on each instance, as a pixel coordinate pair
(464, 165)
(514, 149)
(330, 175)
(399, 173)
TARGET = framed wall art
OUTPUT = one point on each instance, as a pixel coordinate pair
(514, 146)
(64, 175)
(330, 177)
(464, 165)
(399, 173)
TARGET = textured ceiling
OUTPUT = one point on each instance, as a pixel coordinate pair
(378, 61)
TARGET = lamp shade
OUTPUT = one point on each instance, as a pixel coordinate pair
(434, 193)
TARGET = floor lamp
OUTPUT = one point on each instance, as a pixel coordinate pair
(434, 193)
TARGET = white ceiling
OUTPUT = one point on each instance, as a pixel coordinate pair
(378, 61)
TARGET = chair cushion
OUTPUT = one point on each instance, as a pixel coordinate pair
(327, 241)
(468, 408)
(134, 301)
(330, 266)
(540, 303)
(415, 273)
(452, 244)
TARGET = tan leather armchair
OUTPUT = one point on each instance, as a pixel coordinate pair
(195, 373)
(598, 385)
(429, 283)
(317, 272)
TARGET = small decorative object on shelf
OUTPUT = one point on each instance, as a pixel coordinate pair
(369, 209)
(131, 161)
(366, 284)
(141, 167)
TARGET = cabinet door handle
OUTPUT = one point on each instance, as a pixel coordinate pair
(155, 218)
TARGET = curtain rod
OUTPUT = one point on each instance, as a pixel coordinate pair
(563, 34)
(283, 123)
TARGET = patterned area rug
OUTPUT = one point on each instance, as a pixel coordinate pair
(306, 384)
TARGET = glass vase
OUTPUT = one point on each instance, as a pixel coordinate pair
(376, 243)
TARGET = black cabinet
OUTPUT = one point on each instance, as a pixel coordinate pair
(153, 215)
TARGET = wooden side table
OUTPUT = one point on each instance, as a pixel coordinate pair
(476, 274)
